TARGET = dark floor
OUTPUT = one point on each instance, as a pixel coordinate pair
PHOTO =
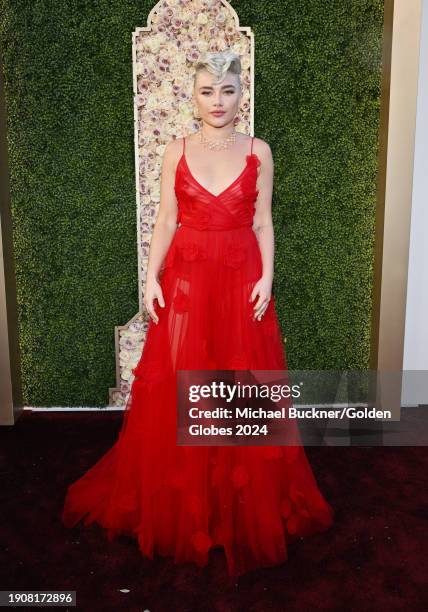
(374, 558)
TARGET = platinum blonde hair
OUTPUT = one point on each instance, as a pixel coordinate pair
(219, 64)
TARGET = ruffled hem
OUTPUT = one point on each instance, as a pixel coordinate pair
(252, 502)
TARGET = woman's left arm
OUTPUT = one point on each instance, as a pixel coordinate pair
(263, 228)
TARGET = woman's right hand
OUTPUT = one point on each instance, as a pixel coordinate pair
(153, 292)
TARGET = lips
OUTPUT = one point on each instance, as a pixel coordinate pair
(218, 113)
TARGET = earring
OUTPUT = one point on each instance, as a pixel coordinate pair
(196, 113)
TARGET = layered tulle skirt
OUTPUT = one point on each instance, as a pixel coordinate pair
(182, 501)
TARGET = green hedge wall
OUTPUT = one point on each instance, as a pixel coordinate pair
(68, 81)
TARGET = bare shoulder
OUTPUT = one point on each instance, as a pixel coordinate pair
(262, 149)
(172, 151)
(173, 147)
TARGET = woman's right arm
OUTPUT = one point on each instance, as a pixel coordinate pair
(163, 230)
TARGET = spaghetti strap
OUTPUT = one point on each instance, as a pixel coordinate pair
(184, 143)
(252, 140)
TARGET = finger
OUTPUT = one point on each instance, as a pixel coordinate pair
(260, 316)
(258, 313)
(265, 304)
(253, 294)
(161, 300)
(258, 304)
(261, 302)
(154, 316)
(151, 311)
(262, 309)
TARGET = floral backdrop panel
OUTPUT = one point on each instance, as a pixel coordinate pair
(177, 35)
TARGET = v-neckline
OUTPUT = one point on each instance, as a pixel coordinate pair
(183, 157)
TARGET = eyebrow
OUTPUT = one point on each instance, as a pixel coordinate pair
(222, 87)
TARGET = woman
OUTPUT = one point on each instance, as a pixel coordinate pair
(208, 293)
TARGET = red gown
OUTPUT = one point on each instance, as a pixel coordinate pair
(181, 501)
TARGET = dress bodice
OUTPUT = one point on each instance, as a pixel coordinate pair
(233, 207)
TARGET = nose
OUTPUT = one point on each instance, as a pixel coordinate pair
(218, 103)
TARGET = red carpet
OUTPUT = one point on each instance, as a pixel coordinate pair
(374, 558)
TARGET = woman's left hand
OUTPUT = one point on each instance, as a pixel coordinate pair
(263, 289)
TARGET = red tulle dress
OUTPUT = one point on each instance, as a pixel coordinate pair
(182, 501)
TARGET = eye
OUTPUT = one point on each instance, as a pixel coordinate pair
(228, 91)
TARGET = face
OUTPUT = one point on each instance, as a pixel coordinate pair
(224, 97)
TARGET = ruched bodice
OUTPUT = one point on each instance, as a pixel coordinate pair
(232, 208)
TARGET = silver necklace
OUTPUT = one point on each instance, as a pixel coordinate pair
(217, 144)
